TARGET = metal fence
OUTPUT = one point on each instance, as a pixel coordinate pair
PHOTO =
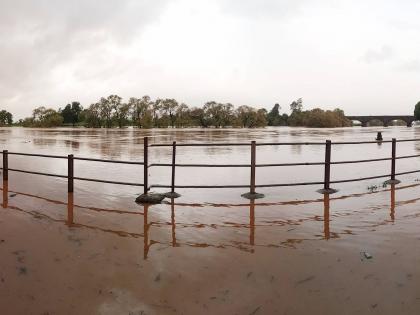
(253, 166)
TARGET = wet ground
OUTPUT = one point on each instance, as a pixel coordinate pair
(294, 252)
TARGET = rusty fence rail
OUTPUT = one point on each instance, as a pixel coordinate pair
(252, 166)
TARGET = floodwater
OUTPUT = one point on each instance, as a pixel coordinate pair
(209, 251)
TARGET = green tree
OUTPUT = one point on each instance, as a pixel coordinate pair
(169, 108)
(183, 116)
(198, 118)
(108, 107)
(248, 117)
(417, 111)
(273, 117)
(45, 118)
(218, 114)
(156, 108)
(71, 113)
(67, 114)
(261, 118)
(121, 113)
(6, 118)
(296, 106)
(141, 111)
(93, 116)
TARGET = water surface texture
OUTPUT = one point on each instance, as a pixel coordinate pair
(210, 251)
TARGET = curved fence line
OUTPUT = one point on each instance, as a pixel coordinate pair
(253, 165)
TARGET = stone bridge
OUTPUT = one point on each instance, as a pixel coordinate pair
(386, 120)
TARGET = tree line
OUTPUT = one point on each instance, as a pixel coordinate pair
(146, 113)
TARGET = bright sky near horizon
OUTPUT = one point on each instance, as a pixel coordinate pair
(360, 55)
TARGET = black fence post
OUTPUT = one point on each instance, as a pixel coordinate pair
(172, 193)
(394, 151)
(5, 165)
(393, 181)
(253, 161)
(173, 166)
(146, 165)
(327, 170)
(5, 178)
(252, 194)
(70, 173)
(5, 193)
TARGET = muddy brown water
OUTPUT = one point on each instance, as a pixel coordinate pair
(210, 251)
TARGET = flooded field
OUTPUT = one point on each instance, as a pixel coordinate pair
(210, 251)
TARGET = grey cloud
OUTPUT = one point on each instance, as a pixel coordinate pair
(384, 53)
(38, 36)
(262, 8)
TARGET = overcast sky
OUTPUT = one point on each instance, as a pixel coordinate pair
(360, 55)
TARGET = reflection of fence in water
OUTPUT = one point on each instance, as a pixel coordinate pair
(252, 226)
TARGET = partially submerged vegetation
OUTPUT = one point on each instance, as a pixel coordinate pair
(146, 113)
(6, 118)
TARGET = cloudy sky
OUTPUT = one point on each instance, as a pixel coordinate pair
(360, 55)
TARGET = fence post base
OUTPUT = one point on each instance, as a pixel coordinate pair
(150, 198)
(392, 182)
(172, 194)
(252, 196)
(327, 191)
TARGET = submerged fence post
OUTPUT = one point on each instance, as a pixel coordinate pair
(146, 165)
(253, 159)
(146, 198)
(5, 178)
(173, 166)
(172, 193)
(394, 149)
(393, 159)
(70, 173)
(327, 170)
(5, 165)
(252, 194)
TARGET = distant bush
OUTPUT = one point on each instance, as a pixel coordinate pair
(318, 118)
(6, 118)
(43, 118)
(417, 111)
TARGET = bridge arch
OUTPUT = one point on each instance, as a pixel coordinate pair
(386, 120)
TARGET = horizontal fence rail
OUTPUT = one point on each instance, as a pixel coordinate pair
(252, 166)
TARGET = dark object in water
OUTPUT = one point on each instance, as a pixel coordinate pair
(150, 198)
(252, 196)
(379, 136)
(172, 195)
